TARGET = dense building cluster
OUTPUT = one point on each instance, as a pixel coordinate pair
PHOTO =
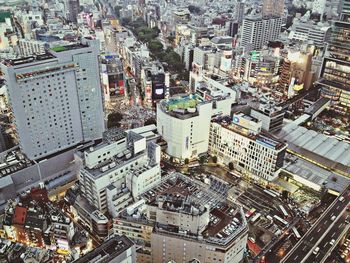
(174, 131)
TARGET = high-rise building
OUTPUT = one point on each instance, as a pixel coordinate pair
(273, 8)
(258, 31)
(334, 81)
(239, 11)
(117, 170)
(73, 10)
(55, 99)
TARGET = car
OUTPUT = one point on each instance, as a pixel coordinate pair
(332, 242)
(333, 218)
(341, 199)
(316, 250)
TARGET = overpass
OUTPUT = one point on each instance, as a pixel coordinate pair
(320, 233)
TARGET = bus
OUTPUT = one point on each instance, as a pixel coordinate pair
(270, 193)
(255, 218)
(284, 222)
(235, 175)
(193, 164)
(296, 233)
(284, 211)
(250, 213)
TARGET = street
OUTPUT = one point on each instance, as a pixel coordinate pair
(301, 252)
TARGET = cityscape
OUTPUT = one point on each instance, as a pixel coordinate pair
(175, 131)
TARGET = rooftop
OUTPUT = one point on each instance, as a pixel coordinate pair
(68, 47)
(109, 250)
(13, 160)
(181, 194)
(321, 148)
(181, 106)
(263, 138)
(31, 59)
(315, 174)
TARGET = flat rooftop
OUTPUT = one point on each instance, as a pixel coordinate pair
(315, 174)
(31, 59)
(226, 220)
(181, 106)
(68, 47)
(108, 251)
(12, 161)
(316, 146)
(263, 137)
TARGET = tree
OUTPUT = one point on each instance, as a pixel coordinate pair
(285, 194)
(150, 121)
(126, 21)
(171, 39)
(114, 119)
(187, 161)
(215, 159)
(155, 46)
(202, 159)
(171, 159)
(231, 166)
(194, 9)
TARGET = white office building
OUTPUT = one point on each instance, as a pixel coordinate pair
(258, 31)
(55, 98)
(183, 121)
(118, 170)
(240, 141)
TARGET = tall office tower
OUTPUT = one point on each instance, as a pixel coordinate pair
(239, 11)
(258, 31)
(319, 6)
(55, 99)
(273, 8)
(73, 10)
(334, 81)
(344, 9)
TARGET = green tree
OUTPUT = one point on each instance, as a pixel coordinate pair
(171, 159)
(114, 119)
(171, 39)
(150, 121)
(202, 159)
(231, 166)
(155, 46)
(215, 159)
(187, 161)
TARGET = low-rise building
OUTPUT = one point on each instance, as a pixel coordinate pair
(240, 141)
(118, 249)
(182, 219)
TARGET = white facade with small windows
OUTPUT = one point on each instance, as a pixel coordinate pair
(114, 172)
(56, 99)
(251, 153)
